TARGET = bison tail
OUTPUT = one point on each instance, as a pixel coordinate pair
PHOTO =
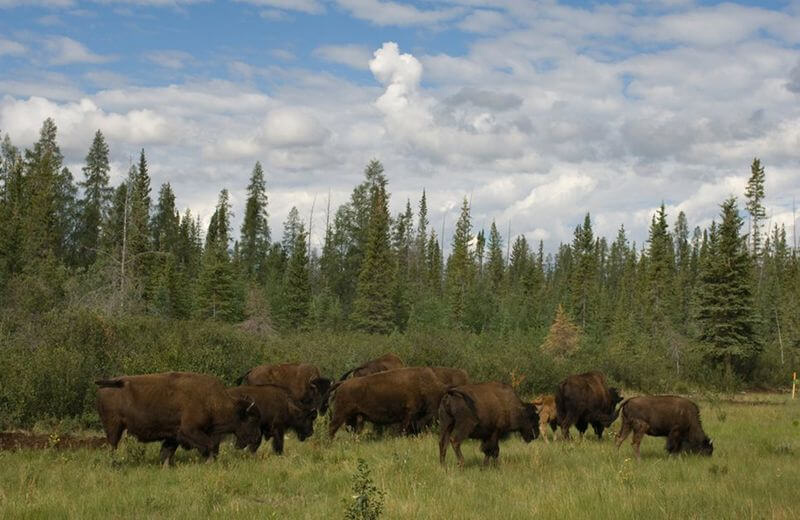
(467, 399)
(109, 383)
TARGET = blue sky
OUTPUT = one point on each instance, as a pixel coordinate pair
(538, 110)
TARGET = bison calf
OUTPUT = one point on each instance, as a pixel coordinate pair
(546, 407)
(485, 411)
(279, 412)
(673, 417)
(177, 408)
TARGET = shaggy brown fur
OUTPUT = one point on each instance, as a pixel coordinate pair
(546, 407)
(385, 362)
(451, 376)
(584, 399)
(670, 416)
(408, 396)
(301, 379)
(279, 412)
(485, 411)
(177, 408)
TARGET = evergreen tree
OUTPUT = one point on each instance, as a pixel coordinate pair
(96, 201)
(564, 337)
(725, 310)
(13, 209)
(495, 266)
(255, 236)
(433, 264)
(755, 204)
(291, 228)
(585, 272)
(460, 268)
(296, 285)
(373, 305)
(139, 212)
(166, 220)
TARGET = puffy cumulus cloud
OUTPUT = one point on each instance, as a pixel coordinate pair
(77, 121)
(352, 55)
(64, 51)
(400, 73)
(398, 14)
(292, 127)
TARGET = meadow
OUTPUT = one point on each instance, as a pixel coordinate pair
(754, 473)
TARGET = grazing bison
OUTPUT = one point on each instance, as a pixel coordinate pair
(546, 407)
(670, 416)
(279, 412)
(408, 396)
(584, 399)
(177, 408)
(301, 379)
(451, 376)
(385, 362)
(485, 411)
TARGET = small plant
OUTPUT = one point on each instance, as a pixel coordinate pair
(53, 440)
(367, 500)
(516, 379)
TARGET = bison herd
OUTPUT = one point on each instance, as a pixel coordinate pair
(196, 411)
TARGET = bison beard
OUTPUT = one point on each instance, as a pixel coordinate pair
(673, 417)
(485, 411)
(584, 399)
(176, 408)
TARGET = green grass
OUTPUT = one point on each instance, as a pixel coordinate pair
(754, 473)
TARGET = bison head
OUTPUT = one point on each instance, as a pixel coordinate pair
(530, 423)
(321, 388)
(248, 424)
(305, 427)
(706, 447)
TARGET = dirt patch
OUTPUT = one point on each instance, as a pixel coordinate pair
(34, 441)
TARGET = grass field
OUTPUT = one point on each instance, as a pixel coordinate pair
(754, 473)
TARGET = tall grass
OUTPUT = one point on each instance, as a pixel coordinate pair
(754, 473)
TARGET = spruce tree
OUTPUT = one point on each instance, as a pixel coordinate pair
(725, 308)
(291, 228)
(460, 268)
(585, 271)
(96, 201)
(755, 204)
(373, 310)
(13, 209)
(166, 220)
(255, 234)
(494, 265)
(297, 285)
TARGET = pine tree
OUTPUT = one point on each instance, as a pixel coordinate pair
(755, 204)
(13, 208)
(139, 213)
(564, 337)
(585, 272)
(373, 310)
(291, 228)
(725, 309)
(166, 220)
(433, 263)
(460, 268)
(255, 234)
(495, 267)
(96, 201)
(297, 285)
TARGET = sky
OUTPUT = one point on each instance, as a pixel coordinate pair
(537, 111)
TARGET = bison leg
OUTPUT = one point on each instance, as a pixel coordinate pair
(197, 438)
(542, 429)
(336, 422)
(114, 428)
(581, 426)
(277, 441)
(168, 448)
(674, 441)
(624, 431)
(566, 422)
(490, 449)
(639, 429)
(456, 443)
(446, 425)
(598, 430)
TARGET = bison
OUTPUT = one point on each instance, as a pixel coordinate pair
(279, 412)
(584, 399)
(385, 362)
(670, 416)
(301, 379)
(546, 407)
(451, 376)
(485, 411)
(408, 396)
(176, 408)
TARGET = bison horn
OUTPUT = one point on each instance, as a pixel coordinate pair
(252, 404)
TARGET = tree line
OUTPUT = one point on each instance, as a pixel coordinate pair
(724, 294)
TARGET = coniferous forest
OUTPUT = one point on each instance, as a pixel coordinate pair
(101, 279)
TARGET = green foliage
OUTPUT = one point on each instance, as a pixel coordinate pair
(367, 500)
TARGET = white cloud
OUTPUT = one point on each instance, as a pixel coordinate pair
(352, 55)
(65, 51)
(170, 59)
(304, 6)
(292, 127)
(393, 13)
(484, 21)
(11, 48)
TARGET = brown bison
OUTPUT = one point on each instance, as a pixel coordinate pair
(301, 379)
(546, 407)
(485, 411)
(408, 396)
(279, 412)
(176, 408)
(584, 399)
(385, 362)
(670, 416)
(451, 376)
